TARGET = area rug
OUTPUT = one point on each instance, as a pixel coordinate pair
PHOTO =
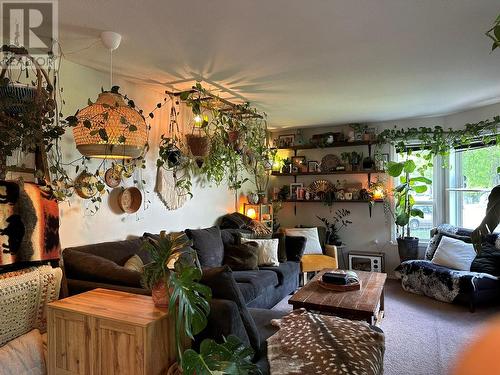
(309, 343)
(423, 336)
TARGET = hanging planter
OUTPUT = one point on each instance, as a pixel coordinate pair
(233, 137)
(198, 145)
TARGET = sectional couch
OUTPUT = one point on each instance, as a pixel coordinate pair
(245, 313)
(101, 266)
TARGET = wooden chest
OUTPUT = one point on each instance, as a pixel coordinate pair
(105, 332)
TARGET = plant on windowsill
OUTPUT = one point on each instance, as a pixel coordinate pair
(175, 278)
(333, 228)
(404, 201)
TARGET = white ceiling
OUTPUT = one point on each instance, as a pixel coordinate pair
(304, 62)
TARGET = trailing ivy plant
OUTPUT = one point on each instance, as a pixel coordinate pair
(494, 34)
(237, 141)
(439, 141)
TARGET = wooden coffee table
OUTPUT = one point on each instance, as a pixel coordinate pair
(367, 303)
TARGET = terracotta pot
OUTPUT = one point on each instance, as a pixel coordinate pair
(174, 369)
(160, 294)
(198, 144)
(262, 198)
(233, 136)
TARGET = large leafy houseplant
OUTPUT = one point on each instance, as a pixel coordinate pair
(175, 264)
(333, 227)
(404, 202)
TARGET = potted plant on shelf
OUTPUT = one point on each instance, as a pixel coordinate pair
(404, 201)
(347, 159)
(175, 266)
(333, 228)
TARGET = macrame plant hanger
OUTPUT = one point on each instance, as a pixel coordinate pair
(166, 181)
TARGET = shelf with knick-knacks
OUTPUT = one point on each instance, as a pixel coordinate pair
(349, 161)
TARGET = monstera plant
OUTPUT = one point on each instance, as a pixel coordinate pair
(175, 273)
(404, 202)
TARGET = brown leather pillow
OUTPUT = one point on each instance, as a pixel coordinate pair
(242, 257)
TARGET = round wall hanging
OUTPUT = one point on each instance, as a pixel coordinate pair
(112, 178)
(86, 185)
(130, 200)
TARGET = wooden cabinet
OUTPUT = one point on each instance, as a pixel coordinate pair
(105, 332)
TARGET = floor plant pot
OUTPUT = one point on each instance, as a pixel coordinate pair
(198, 145)
(160, 294)
(174, 369)
(408, 248)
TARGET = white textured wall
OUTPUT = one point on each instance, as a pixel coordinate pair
(77, 227)
(365, 230)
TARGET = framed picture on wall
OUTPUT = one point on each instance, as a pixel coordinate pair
(286, 140)
(294, 187)
(312, 166)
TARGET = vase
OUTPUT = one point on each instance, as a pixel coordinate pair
(160, 294)
(408, 248)
(253, 198)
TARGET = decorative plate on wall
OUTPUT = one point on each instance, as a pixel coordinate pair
(112, 178)
(329, 163)
(130, 200)
(86, 185)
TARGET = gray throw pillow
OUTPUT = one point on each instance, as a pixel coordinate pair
(208, 245)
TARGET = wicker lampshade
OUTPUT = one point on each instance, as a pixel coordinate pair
(92, 145)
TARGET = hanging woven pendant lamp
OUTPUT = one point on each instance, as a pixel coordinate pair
(110, 128)
(126, 129)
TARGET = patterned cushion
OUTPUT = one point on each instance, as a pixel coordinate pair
(24, 296)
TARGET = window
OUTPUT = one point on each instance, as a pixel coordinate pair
(420, 227)
(472, 175)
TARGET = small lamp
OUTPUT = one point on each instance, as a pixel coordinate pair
(378, 192)
(251, 213)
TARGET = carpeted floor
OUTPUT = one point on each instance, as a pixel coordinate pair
(423, 336)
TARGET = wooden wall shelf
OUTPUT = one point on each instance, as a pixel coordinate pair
(333, 201)
(333, 145)
(325, 173)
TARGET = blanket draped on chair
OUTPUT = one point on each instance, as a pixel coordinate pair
(310, 343)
